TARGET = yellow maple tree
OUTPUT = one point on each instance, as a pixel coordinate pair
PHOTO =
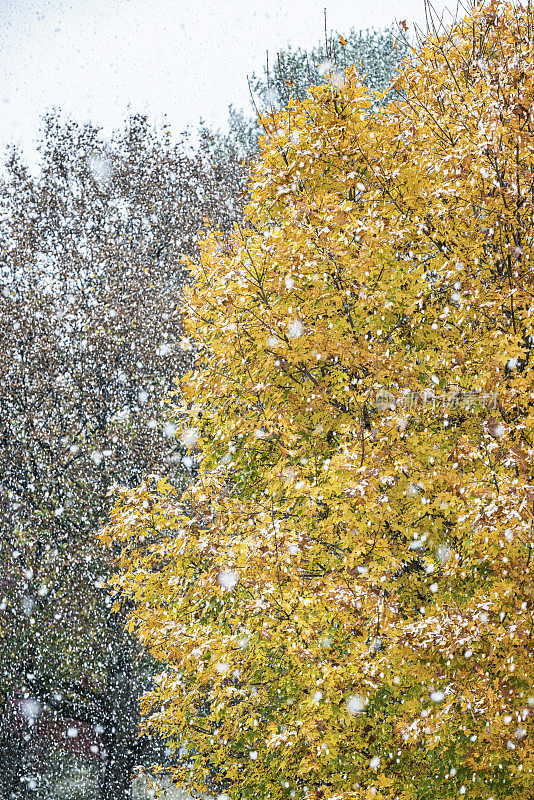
(342, 600)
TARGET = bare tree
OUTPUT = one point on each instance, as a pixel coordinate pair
(90, 277)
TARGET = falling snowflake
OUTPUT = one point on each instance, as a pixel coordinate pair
(295, 329)
(356, 704)
(100, 167)
(324, 68)
(169, 430)
(31, 709)
(189, 437)
(228, 578)
(337, 79)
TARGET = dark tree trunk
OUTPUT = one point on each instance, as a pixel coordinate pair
(11, 763)
(121, 736)
(16, 762)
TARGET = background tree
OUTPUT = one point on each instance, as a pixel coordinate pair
(342, 599)
(89, 304)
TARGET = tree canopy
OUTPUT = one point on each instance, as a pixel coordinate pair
(343, 598)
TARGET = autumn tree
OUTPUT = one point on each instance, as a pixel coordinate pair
(342, 600)
(90, 289)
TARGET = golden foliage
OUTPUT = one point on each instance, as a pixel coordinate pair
(343, 598)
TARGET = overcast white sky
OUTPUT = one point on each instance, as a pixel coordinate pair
(98, 59)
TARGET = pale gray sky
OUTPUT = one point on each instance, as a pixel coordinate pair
(98, 59)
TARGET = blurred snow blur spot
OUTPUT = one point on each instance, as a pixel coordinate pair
(295, 329)
(100, 167)
(356, 703)
(228, 578)
(31, 709)
(189, 437)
